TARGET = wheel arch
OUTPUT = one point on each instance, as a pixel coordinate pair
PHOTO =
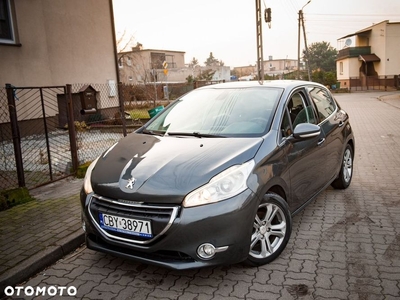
(277, 189)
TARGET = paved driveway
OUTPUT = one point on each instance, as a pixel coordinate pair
(345, 244)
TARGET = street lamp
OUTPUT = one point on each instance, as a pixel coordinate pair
(301, 22)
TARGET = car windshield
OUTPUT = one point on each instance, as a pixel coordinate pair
(219, 113)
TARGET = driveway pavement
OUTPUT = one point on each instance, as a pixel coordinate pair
(344, 245)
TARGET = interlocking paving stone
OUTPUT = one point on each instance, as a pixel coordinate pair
(344, 245)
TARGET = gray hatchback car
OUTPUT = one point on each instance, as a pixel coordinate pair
(216, 177)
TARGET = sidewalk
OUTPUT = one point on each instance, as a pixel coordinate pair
(36, 234)
(392, 99)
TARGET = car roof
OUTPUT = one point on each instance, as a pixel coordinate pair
(284, 84)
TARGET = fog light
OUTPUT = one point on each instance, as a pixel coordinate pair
(206, 251)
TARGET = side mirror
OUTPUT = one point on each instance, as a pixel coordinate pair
(306, 130)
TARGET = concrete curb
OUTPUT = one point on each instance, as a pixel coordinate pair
(41, 260)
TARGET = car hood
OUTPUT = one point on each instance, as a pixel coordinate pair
(157, 169)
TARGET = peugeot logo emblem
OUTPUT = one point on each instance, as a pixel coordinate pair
(131, 183)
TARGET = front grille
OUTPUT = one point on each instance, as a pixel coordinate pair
(160, 217)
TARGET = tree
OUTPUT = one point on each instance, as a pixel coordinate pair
(321, 57)
(206, 75)
(325, 78)
(194, 62)
(211, 61)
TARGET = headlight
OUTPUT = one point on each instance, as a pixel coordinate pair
(87, 186)
(226, 184)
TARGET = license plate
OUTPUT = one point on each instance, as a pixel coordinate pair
(126, 225)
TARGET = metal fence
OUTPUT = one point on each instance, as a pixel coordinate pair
(42, 148)
(54, 129)
(389, 82)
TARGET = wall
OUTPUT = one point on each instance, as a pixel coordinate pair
(61, 42)
(392, 49)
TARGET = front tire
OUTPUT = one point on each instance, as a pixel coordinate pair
(346, 170)
(271, 230)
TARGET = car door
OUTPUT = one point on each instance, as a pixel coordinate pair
(305, 156)
(332, 121)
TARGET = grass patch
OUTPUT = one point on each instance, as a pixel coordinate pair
(13, 197)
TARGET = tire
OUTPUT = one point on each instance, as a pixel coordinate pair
(346, 170)
(271, 230)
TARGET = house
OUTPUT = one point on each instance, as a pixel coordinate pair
(373, 57)
(279, 67)
(49, 50)
(141, 66)
(272, 67)
(150, 65)
(47, 43)
(245, 71)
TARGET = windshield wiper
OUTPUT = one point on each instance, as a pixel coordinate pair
(152, 132)
(196, 134)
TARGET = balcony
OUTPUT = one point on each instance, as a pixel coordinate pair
(353, 52)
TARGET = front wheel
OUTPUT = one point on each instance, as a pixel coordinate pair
(346, 170)
(271, 230)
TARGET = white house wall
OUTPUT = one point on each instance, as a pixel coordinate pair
(377, 42)
(393, 49)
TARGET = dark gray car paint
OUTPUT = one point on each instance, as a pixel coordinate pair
(166, 168)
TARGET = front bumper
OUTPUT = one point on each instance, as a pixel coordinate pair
(226, 223)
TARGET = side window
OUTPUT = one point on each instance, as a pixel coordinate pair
(298, 111)
(323, 101)
(286, 126)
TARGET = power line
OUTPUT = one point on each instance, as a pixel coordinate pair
(356, 15)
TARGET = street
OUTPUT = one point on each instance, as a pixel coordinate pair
(344, 244)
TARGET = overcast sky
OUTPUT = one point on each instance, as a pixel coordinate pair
(228, 27)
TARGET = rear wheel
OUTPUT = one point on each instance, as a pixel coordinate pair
(271, 230)
(346, 170)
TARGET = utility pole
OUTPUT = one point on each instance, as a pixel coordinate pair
(260, 59)
(301, 23)
(305, 43)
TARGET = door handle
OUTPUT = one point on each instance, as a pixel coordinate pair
(321, 141)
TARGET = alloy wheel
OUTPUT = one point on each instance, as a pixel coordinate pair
(269, 230)
(347, 165)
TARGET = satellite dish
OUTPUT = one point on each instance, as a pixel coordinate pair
(348, 42)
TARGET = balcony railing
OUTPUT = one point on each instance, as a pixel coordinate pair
(353, 51)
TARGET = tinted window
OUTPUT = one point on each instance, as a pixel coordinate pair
(323, 101)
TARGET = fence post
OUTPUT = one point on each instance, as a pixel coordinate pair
(122, 107)
(15, 135)
(71, 129)
(385, 83)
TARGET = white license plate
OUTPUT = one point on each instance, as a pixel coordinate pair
(126, 225)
